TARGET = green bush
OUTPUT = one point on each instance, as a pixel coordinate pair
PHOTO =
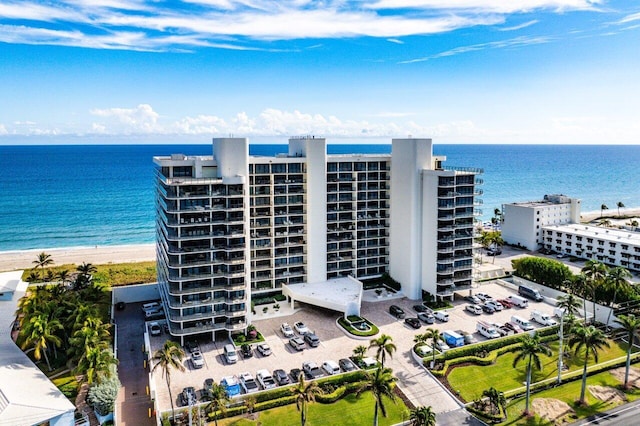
(68, 385)
(374, 329)
(102, 396)
(273, 403)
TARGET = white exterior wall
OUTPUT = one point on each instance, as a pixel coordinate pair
(429, 231)
(409, 158)
(316, 153)
(519, 226)
(232, 155)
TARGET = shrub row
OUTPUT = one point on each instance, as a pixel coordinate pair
(273, 403)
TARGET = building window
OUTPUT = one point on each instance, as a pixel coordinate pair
(579, 238)
(262, 169)
(589, 240)
(182, 171)
(612, 244)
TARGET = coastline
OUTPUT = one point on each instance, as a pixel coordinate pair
(97, 255)
(611, 213)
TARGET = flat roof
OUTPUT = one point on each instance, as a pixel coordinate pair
(340, 294)
(27, 396)
(605, 234)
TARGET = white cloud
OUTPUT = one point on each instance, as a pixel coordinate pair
(3, 130)
(395, 40)
(142, 119)
(519, 27)
(237, 24)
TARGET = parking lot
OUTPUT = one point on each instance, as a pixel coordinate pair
(334, 343)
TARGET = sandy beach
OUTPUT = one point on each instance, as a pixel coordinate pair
(611, 214)
(99, 255)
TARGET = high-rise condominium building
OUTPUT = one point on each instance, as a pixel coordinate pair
(232, 227)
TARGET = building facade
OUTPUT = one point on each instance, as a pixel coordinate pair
(233, 227)
(523, 222)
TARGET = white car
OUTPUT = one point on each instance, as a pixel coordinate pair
(197, 359)
(484, 297)
(442, 346)
(331, 367)
(301, 327)
(265, 379)
(154, 329)
(248, 383)
(495, 305)
(264, 349)
(286, 329)
(474, 309)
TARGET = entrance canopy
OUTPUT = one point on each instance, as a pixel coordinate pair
(339, 294)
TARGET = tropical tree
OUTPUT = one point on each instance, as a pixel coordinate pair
(384, 346)
(359, 353)
(305, 393)
(496, 399)
(495, 240)
(631, 324)
(617, 280)
(570, 303)
(219, 401)
(38, 333)
(603, 207)
(420, 339)
(435, 336)
(168, 358)
(91, 335)
(633, 223)
(381, 384)
(63, 276)
(620, 204)
(591, 340)
(596, 272)
(422, 416)
(84, 278)
(97, 364)
(530, 349)
(605, 223)
(43, 260)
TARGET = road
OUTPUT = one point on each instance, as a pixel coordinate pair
(624, 415)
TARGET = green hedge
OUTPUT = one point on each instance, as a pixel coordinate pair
(68, 385)
(273, 403)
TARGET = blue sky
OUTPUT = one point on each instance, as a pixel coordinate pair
(458, 71)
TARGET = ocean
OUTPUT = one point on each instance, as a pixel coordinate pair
(70, 195)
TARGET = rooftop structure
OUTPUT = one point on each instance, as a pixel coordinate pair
(27, 396)
(233, 227)
(523, 221)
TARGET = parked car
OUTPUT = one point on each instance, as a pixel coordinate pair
(188, 396)
(191, 346)
(331, 367)
(312, 370)
(297, 343)
(396, 311)
(426, 317)
(301, 328)
(562, 255)
(474, 309)
(286, 329)
(505, 331)
(346, 364)
(488, 308)
(312, 340)
(264, 349)
(484, 297)
(265, 379)
(420, 308)
(468, 337)
(473, 299)
(154, 329)
(441, 316)
(512, 326)
(295, 374)
(442, 346)
(248, 383)
(412, 322)
(281, 377)
(230, 385)
(495, 305)
(197, 360)
(246, 350)
(505, 303)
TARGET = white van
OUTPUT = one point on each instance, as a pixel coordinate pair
(151, 306)
(441, 316)
(542, 318)
(487, 330)
(519, 301)
(522, 323)
(230, 354)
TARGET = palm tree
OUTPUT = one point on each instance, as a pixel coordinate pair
(603, 207)
(170, 356)
(384, 347)
(596, 272)
(530, 350)
(592, 340)
(43, 260)
(359, 353)
(633, 223)
(631, 324)
(84, 278)
(219, 401)
(605, 223)
(381, 383)
(496, 399)
(617, 280)
(305, 393)
(97, 364)
(38, 333)
(580, 287)
(619, 204)
(435, 336)
(570, 303)
(422, 416)
(495, 240)
(63, 276)
(92, 334)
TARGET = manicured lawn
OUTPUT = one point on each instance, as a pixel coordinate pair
(350, 410)
(469, 381)
(568, 393)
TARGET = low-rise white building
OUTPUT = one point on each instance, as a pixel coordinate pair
(523, 222)
(614, 247)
